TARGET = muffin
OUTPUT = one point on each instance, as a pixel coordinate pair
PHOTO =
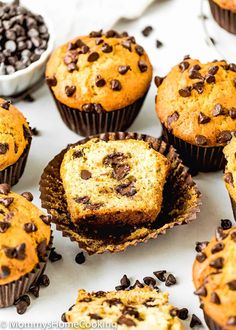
(140, 308)
(24, 244)
(109, 176)
(224, 13)
(99, 81)
(114, 182)
(196, 104)
(230, 172)
(214, 277)
(15, 140)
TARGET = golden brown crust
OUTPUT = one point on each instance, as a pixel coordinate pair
(92, 80)
(202, 115)
(13, 134)
(230, 170)
(214, 277)
(226, 4)
(22, 233)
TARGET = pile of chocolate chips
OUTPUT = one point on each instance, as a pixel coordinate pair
(23, 37)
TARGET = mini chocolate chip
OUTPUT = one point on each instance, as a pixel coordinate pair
(160, 275)
(125, 282)
(224, 137)
(119, 288)
(147, 30)
(185, 92)
(232, 113)
(63, 317)
(231, 321)
(218, 110)
(34, 289)
(21, 307)
(4, 147)
(202, 291)
(195, 321)
(182, 313)
(172, 118)
(30, 227)
(127, 44)
(232, 67)
(159, 43)
(139, 50)
(229, 178)
(171, 280)
(194, 74)
(217, 263)
(138, 284)
(120, 171)
(226, 224)
(115, 85)
(220, 234)
(100, 82)
(201, 257)
(46, 219)
(54, 256)
(88, 107)
(215, 299)
(113, 302)
(174, 312)
(6, 201)
(200, 246)
(6, 104)
(112, 34)
(95, 34)
(213, 70)
(126, 189)
(4, 226)
(184, 65)
(122, 320)
(51, 81)
(94, 56)
(196, 67)
(132, 311)
(5, 272)
(70, 90)
(94, 316)
(217, 248)
(199, 87)
(16, 253)
(25, 298)
(5, 188)
(44, 280)
(210, 79)
(232, 285)
(27, 195)
(142, 66)
(203, 119)
(80, 258)
(158, 81)
(106, 48)
(201, 140)
(148, 280)
(122, 69)
(82, 200)
(35, 131)
(85, 174)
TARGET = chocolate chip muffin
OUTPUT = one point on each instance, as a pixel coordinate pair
(15, 140)
(114, 182)
(99, 81)
(230, 172)
(214, 277)
(24, 241)
(140, 308)
(224, 12)
(196, 105)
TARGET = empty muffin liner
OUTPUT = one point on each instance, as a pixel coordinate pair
(204, 159)
(10, 292)
(181, 202)
(226, 18)
(90, 123)
(13, 173)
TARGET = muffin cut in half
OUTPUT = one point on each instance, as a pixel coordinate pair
(114, 182)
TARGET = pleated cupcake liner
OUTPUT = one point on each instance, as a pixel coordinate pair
(13, 173)
(212, 325)
(233, 204)
(204, 159)
(12, 291)
(91, 123)
(181, 202)
(224, 17)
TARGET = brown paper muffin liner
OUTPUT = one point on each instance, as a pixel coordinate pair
(181, 201)
(13, 173)
(224, 17)
(91, 123)
(212, 325)
(204, 159)
(233, 204)
(10, 292)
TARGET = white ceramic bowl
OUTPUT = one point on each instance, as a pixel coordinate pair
(17, 82)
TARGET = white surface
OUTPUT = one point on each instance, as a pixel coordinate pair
(177, 24)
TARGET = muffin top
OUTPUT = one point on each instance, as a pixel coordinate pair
(98, 72)
(197, 102)
(24, 235)
(214, 277)
(230, 170)
(14, 134)
(140, 308)
(226, 4)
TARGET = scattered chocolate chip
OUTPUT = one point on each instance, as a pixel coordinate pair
(27, 195)
(85, 174)
(199, 87)
(224, 137)
(4, 147)
(201, 140)
(95, 34)
(160, 275)
(182, 313)
(123, 69)
(138, 284)
(202, 291)
(30, 227)
(94, 316)
(82, 200)
(217, 263)
(44, 280)
(232, 67)
(195, 321)
(6, 104)
(201, 257)
(203, 119)
(70, 90)
(226, 224)
(171, 280)
(5, 272)
(5, 188)
(213, 70)
(231, 321)
(158, 81)
(94, 56)
(21, 307)
(46, 219)
(184, 65)
(200, 246)
(220, 234)
(159, 44)
(63, 317)
(100, 82)
(147, 30)
(122, 320)
(126, 189)
(80, 258)
(232, 113)
(120, 171)
(25, 298)
(149, 281)
(54, 256)
(139, 50)
(120, 288)
(215, 299)
(34, 289)
(35, 131)
(6, 201)
(51, 81)
(185, 92)
(127, 44)
(218, 110)
(112, 34)
(142, 66)
(217, 248)
(232, 285)
(106, 48)
(194, 74)
(125, 282)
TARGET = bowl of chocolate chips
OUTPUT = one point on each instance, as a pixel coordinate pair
(25, 44)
